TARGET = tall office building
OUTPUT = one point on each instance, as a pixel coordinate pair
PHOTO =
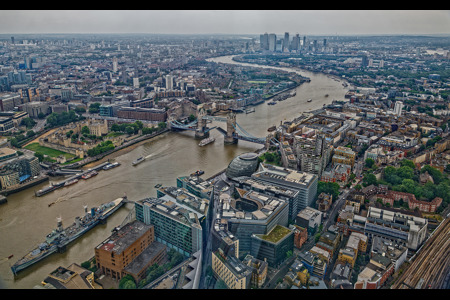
(169, 82)
(272, 42)
(398, 108)
(264, 41)
(286, 42)
(115, 64)
(295, 45)
(304, 184)
(313, 154)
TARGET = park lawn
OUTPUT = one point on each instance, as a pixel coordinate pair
(47, 151)
(257, 81)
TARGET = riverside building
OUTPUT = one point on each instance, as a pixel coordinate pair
(296, 187)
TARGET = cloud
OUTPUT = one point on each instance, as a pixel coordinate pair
(226, 21)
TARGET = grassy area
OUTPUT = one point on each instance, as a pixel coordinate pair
(48, 151)
(257, 81)
(114, 134)
(276, 234)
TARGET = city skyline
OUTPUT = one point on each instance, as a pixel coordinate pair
(305, 22)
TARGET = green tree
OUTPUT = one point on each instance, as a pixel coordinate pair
(94, 108)
(28, 122)
(369, 162)
(129, 130)
(30, 133)
(369, 179)
(191, 118)
(408, 163)
(40, 156)
(127, 282)
(85, 130)
(115, 127)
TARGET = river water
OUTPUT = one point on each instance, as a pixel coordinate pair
(25, 220)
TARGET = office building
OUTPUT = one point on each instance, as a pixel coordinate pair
(264, 41)
(302, 186)
(115, 65)
(252, 213)
(176, 225)
(115, 253)
(310, 219)
(18, 170)
(286, 42)
(313, 153)
(72, 277)
(243, 165)
(272, 42)
(259, 270)
(273, 246)
(231, 270)
(400, 228)
(398, 108)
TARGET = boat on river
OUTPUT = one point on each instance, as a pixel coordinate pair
(206, 141)
(59, 238)
(138, 161)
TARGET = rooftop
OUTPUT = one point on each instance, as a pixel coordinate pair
(276, 234)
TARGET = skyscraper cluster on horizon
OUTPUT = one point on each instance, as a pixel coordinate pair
(269, 42)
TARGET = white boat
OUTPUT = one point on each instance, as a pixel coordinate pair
(138, 161)
(206, 141)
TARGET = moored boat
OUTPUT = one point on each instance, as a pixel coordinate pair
(59, 238)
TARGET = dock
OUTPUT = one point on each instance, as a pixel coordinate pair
(63, 182)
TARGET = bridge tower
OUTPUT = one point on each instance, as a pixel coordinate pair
(201, 124)
(170, 119)
(231, 129)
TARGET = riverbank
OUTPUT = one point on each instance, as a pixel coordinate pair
(118, 151)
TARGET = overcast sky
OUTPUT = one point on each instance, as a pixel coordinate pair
(304, 22)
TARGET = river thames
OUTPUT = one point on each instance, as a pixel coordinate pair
(25, 219)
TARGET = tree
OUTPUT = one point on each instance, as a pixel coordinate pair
(30, 133)
(127, 282)
(369, 179)
(39, 155)
(162, 125)
(139, 124)
(408, 163)
(80, 110)
(191, 118)
(28, 122)
(85, 130)
(129, 130)
(369, 162)
(94, 108)
(115, 127)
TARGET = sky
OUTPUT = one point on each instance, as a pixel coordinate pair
(304, 22)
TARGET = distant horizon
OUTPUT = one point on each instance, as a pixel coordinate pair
(227, 22)
(227, 34)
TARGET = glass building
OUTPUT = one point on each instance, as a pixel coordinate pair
(243, 165)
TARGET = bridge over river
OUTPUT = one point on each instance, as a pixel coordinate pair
(232, 134)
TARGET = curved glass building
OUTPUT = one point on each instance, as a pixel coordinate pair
(243, 165)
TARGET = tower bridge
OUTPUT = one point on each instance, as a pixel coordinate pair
(232, 134)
